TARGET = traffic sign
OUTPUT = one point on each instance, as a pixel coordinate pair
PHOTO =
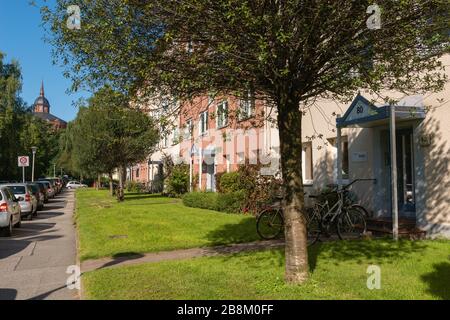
(24, 161)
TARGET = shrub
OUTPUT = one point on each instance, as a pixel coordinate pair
(135, 187)
(230, 182)
(232, 202)
(177, 183)
(203, 200)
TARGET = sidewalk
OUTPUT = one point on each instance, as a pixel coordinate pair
(33, 263)
(119, 261)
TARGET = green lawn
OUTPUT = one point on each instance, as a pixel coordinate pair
(145, 223)
(410, 270)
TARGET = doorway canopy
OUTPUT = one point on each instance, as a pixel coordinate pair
(364, 114)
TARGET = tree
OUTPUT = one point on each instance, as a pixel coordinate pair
(19, 129)
(107, 135)
(288, 52)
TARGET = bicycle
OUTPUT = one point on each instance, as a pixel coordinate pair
(270, 223)
(349, 219)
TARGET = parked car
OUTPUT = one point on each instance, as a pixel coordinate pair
(27, 201)
(53, 184)
(75, 185)
(38, 192)
(51, 192)
(56, 184)
(10, 215)
(44, 189)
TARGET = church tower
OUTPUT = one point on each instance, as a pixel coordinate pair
(41, 105)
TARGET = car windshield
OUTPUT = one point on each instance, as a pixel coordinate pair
(34, 188)
(17, 189)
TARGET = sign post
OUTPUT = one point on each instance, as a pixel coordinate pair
(23, 162)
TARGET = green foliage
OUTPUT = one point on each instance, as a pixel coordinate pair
(107, 134)
(203, 200)
(232, 202)
(229, 182)
(135, 187)
(20, 130)
(177, 183)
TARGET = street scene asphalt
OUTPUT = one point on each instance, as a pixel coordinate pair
(35, 260)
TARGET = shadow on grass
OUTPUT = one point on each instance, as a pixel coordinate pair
(122, 257)
(244, 231)
(141, 196)
(361, 251)
(438, 280)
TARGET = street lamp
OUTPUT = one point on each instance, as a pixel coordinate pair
(33, 149)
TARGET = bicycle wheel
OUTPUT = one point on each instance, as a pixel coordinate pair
(313, 227)
(270, 224)
(351, 224)
(362, 209)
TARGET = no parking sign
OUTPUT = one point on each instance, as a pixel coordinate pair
(24, 161)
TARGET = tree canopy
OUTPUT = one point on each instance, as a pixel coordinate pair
(20, 130)
(288, 52)
(108, 135)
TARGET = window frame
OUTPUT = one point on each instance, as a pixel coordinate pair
(203, 123)
(221, 116)
(247, 102)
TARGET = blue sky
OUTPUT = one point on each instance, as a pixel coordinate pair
(21, 38)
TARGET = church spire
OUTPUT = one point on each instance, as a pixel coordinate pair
(42, 89)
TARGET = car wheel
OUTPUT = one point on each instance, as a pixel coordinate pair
(19, 224)
(7, 232)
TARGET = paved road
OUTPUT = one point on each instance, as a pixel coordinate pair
(33, 263)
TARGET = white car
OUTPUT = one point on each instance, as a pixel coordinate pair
(9, 211)
(27, 200)
(75, 185)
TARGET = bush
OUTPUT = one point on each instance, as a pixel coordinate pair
(177, 183)
(203, 200)
(229, 182)
(135, 187)
(232, 202)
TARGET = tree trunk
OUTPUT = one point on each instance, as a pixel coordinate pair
(111, 185)
(290, 132)
(99, 178)
(122, 178)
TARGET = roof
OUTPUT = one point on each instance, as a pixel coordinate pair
(48, 117)
(364, 114)
(41, 101)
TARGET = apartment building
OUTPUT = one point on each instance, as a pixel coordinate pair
(215, 134)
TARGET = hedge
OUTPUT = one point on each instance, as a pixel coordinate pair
(232, 202)
(203, 200)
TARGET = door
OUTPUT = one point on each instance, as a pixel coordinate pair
(210, 177)
(405, 173)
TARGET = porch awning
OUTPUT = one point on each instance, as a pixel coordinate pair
(364, 114)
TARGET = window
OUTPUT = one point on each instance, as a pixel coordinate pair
(247, 106)
(241, 157)
(203, 124)
(137, 172)
(345, 157)
(345, 166)
(307, 163)
(228, 163)
(222, 114)
(189, 129)
(165, 141)
(175, 136)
